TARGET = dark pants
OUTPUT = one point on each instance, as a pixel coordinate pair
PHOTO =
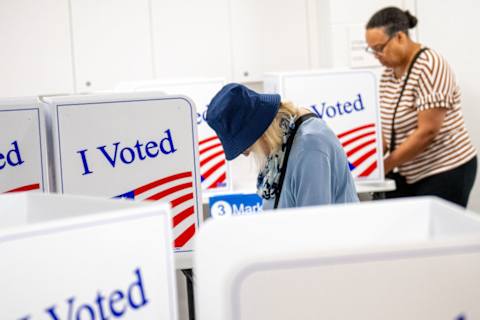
(453, 185)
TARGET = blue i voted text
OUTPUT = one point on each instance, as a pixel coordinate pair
(118, 153)
(202, 116)
(11, 157)
(116, 304)
(339, 108)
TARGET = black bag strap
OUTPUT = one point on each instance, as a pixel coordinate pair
(287, 154)
(392, 136)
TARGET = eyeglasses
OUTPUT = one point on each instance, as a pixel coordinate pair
(378, 48)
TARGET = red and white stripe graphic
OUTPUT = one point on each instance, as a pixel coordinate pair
(176, 189)
(360, 146)
(213, 165)
(29, 187)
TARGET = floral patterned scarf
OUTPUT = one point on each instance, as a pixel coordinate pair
(269, 176)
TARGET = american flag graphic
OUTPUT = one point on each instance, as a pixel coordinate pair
(29, 187)
(360, 146)
(213, 165)
(177, 189)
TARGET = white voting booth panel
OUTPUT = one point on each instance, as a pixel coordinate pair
(347, 101)
(213, 165)
(139, 146)
(396, 260)
(23, 152)
(70, 257)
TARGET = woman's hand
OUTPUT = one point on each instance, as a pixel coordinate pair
(429, 123)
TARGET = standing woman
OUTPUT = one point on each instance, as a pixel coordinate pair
(422, 122)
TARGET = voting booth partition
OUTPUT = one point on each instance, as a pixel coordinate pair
(394, 259)
(214, 168)
(347, 101)
(71, 257)
(140, 146)
(23, 150)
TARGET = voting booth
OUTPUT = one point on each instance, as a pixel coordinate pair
(140, 146)
(70, 257)
(395, 259)
(214, 168)
(23, 151)
(348, 102)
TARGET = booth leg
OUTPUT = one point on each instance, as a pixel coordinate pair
(191, 302)
(378, 196)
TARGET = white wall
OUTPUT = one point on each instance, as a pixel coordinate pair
(345, 20)
(111, 42)
(35, 53)
(72, 46)
(268, 35)
(191, 38)
(451, 28)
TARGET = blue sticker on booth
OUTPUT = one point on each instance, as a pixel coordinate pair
(235, 205)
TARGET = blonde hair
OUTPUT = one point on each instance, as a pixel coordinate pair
(271, 140)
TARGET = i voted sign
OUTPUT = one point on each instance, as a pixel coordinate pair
(22, 146)
(137, 146)
(213, 165)
(229, 205)
(103, 305)
(348, 102)
(76, 258)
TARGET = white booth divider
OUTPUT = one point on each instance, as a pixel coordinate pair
(348, 102)
(23, 151)
(140, 146)
(71, 257)
(395, 259)
(214, 168)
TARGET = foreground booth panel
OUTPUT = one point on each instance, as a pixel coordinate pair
(23, 152)
(214, 169)
(396, 260)
(140, 146)
(347, 100)
(70, 257)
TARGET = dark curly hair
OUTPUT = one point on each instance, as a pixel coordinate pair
(393, 20)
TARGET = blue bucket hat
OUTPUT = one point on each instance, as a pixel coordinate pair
(240, 116)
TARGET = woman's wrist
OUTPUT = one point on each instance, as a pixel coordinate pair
(388, 165)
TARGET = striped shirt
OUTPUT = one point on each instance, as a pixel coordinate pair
(431, 85)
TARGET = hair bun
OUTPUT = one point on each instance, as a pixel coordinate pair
(412, 20)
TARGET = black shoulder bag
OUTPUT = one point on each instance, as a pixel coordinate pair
(392, 136)
(287, 154)
(399, 179)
